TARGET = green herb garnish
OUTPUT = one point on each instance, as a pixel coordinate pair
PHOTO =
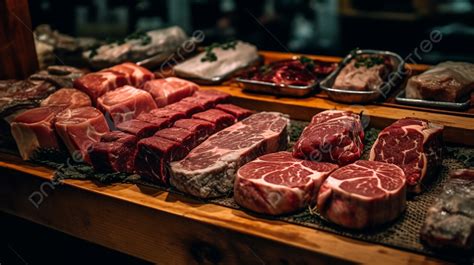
(210, 56)
(368, 61)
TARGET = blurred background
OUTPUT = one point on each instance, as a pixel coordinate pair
(329, 27)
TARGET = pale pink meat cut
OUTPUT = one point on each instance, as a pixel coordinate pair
(278, 183)
(136, 75)
(67, 97)
(364, 194)
(169, 90)
(79, 129)
(98, 83)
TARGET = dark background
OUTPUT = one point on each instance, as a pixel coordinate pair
(329, 27)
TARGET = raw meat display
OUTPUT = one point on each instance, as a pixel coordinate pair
(114, 153)
(364, 194)
(217, 117)
(68, 98)
(209, 169)
(447, 81)
(171, 115)
(450, 220)
(79, 129)
(188, 139)
(125, 103)
(203, 129)
(98, 83)
(141, 129)
(136, 75)
(225, 60)
(413, 144)
(238, 112)
(296, 72)
(364, 73)
(188, 108)
(278, 183)
(169, 90)
(332, 136)
(34, 130)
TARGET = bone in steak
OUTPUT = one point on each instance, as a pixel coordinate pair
(141, 129)
(114, 153)
(332, 136)
(363, 194)
(450, 220)
(209, 169)
(414, 145)
(238, 112)
(169, 90)
(125, 103)
(68, 98)
(136, 75)
(219, 118)
(79, 129)
(278, 183)
(98, 83)
(34, 130)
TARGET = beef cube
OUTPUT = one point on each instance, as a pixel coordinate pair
(136, 75)
(203, 128)
(125, 103)
(98, 83)
(187, 139)
(187, 108)
(162, 122)
(139, 128)
(205, 103)
(219, 118)
(172, 115)
(216, 96)
(169, 90)
(114, 153)
(236, 111)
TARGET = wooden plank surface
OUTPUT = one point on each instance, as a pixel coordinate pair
(170, 229)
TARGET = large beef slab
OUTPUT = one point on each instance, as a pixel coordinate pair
(209, 169)
(413, 144)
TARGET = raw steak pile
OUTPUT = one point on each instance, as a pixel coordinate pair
(450, 220)
(363, 194)
(278, 183)
(414, 145)
(332, 136)
(209, 169)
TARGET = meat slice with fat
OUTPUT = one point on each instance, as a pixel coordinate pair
(114, 153)
(79, 129)
(169, 90)
(136, 75)
(209, 169)
(413, 144)
(125, 103)
(278, 183)
(34, 129)
(364, 194)
(68, 98)
(334, 136)
(98, 83)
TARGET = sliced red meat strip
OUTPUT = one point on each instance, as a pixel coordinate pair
(205, 103)
(216, 96)
(67, 97)
(187, 108)
(172, 115)
(140, 129)
(236, 111)
(219, 118)
(114, 153)
(203, 128)
(188, 139)
(136, 75)
(169, 90)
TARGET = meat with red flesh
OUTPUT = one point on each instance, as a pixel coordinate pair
(140, 129)
(188, 139)
(413, 144)
(205, 103)
(172, 115)
(98, 83)
(278, 183)
(187, 108)
(34, 129)
(114, 152)
(162, 122)
(332, 136)
(364, 194)
(67, 97)
(125, 103)
(238, 112)
(203, 128)
(209, 169)
(219, 118)
(169, 90)
(214, 95)
(136, 75)
(153, 155)
(79, 129)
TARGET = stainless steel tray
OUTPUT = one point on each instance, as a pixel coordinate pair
(276, 89)
(401, 98)
(351, 96)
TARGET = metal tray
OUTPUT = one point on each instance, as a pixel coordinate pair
(276, 89)
(351, 96)
(401, 98)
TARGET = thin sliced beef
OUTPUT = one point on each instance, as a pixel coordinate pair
(238, 112)
(140, 129)
(68, 98)
(278, 183)
(364, 194)
(125, 103)
(136, 75)
(114, 153)
(98, 83)
(413, 144)
(169, 90)
(219, 118)
(332, 136)
(187, 108)
(209, 169)
(34, 130)
(79, 129)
